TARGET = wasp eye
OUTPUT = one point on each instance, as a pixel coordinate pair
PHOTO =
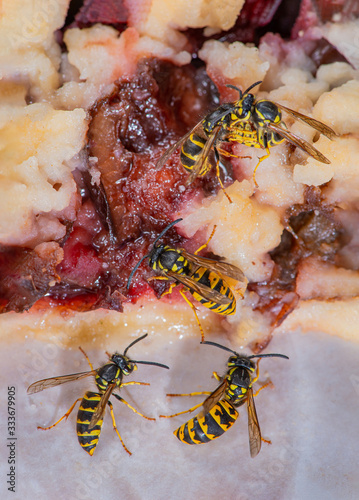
(129, 367)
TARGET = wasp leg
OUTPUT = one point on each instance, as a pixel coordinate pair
(257, 372)
(217, 158)
(163, 278)
(172, 286)
(132, 408)
(181, 412)
(134, 383)
(202, 393)
(223, 152)
(195, 313)
(217, 377)
(67, 414)
(207, 242)
(89, 362)
(218, 174)
(259, 162)
(157, 278)
(115, 427)
(270, 383)
(268, 441)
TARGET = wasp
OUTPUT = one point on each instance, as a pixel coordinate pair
(219, 409)
(259, 124)
(246, 121)
(200, 276)
(93, 404)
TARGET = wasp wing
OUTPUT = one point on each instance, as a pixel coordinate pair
(205, 291)
(165, 157)
(100, 409)
(40, 385)
(254, 431)
(214, 397)
(316, 124)
(299, 142)
(204, 156)
(220, 267)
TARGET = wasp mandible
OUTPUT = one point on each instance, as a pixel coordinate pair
(93, 404)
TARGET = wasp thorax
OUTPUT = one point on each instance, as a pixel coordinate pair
(171, 259)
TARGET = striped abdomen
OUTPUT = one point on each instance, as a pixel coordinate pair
(191, 151)
(243, 133)
(88, 439)
(204, 428)
(259, 137)
(267, 138)
(212, 280)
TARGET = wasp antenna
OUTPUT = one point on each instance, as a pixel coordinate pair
(235, 88)
(252, 86)
(165, 230)
(134, 342)
(268, 356)
(220, 346)
(134, 270)
(150, 363)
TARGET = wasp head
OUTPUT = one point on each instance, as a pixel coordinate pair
(241, 361)
(243, 107)
(124, 363)
(155, 255)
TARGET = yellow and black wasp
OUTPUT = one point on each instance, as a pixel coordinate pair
(93, 404)
(201, 276)
(259, 124)
(246, 121)
(219, 409)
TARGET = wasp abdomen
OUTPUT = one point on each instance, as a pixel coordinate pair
(204, 428)
(244, 133)
(190, 152)
(212, 280)
(88, 439)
